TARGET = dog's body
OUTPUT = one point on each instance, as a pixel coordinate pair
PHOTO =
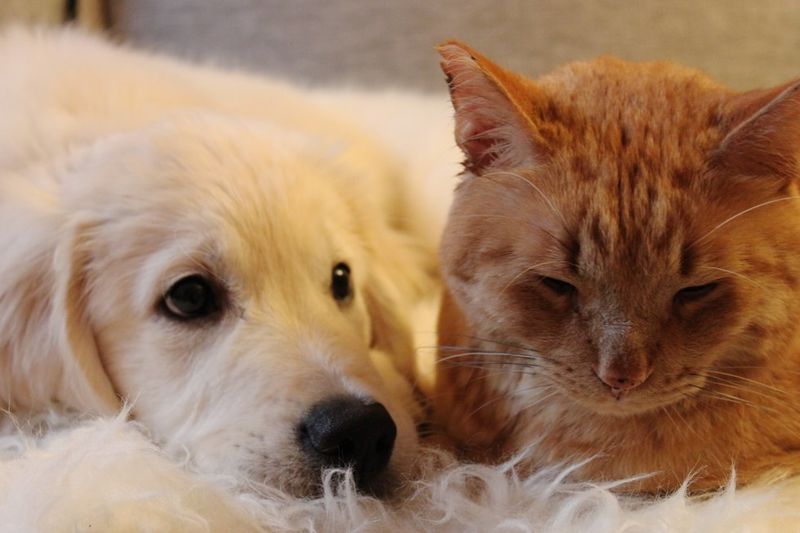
(124, 175)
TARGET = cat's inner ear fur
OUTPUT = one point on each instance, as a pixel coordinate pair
(492, 127)
(765, 141)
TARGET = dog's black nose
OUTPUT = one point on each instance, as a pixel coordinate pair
(345, 431)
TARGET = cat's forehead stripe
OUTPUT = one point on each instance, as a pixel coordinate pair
(637, 166)
(634, 227)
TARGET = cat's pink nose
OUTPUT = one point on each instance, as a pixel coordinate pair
(621, 381)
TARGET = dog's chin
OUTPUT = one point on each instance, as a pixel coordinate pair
(342, 480)
(385, 485)
(286, 469)
(269, 474)
(302, 480)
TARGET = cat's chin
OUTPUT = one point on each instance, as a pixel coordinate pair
(622, 408)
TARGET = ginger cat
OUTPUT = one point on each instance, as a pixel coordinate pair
(622, 270)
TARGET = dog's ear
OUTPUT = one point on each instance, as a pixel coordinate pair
(390, 331)
(401, 274)
(85, 381)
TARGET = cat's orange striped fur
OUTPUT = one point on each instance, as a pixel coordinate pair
(622, 263)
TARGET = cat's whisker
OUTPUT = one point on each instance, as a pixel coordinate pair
(724, 397)
(454, 347)
(493, 360)
(540, 400)
(525, 271)
(742, 213)
(678, 394)
(746, 385)
(737, 274)
(464, 349)
(739, 388)
(486, 404)
(758, 367)
(566, 247)
(494, 341)
(479, 364)
(682, 419)
(490, 369)
(486, 374)
(669, 416)
(532, 370)
(734, 399)
(746, 380)
(457, 356)
(501, 397)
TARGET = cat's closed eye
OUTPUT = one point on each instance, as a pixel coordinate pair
(695, 292)
(560, 287)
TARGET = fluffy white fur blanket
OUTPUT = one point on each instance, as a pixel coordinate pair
(63, 474)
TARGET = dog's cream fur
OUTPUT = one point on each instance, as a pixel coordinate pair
(121, 173)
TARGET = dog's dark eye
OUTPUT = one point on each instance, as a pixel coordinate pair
(558, 286)
(690, 294)
(190, 297)
(341, 288)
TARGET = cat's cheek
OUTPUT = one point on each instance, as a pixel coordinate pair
(534, 316)
(480, 302)
(710, 320)
(698, 336)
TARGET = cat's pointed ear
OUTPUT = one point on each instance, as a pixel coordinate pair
(492, 125)
(765, 141)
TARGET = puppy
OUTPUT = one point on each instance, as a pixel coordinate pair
(211, 248)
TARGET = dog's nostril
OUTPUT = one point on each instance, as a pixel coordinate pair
(344, 431)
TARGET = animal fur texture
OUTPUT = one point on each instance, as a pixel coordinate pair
(123, 173)
(71, 472)
(65, 474)
(623, 272)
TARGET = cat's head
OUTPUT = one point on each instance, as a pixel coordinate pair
(630, 230)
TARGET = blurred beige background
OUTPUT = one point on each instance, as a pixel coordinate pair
(390, 42)
(48, 11)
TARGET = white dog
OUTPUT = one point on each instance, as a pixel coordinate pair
(215, 249)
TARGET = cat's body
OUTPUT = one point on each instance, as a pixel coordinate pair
(622, 263)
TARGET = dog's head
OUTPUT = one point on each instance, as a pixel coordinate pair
(237, 286)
